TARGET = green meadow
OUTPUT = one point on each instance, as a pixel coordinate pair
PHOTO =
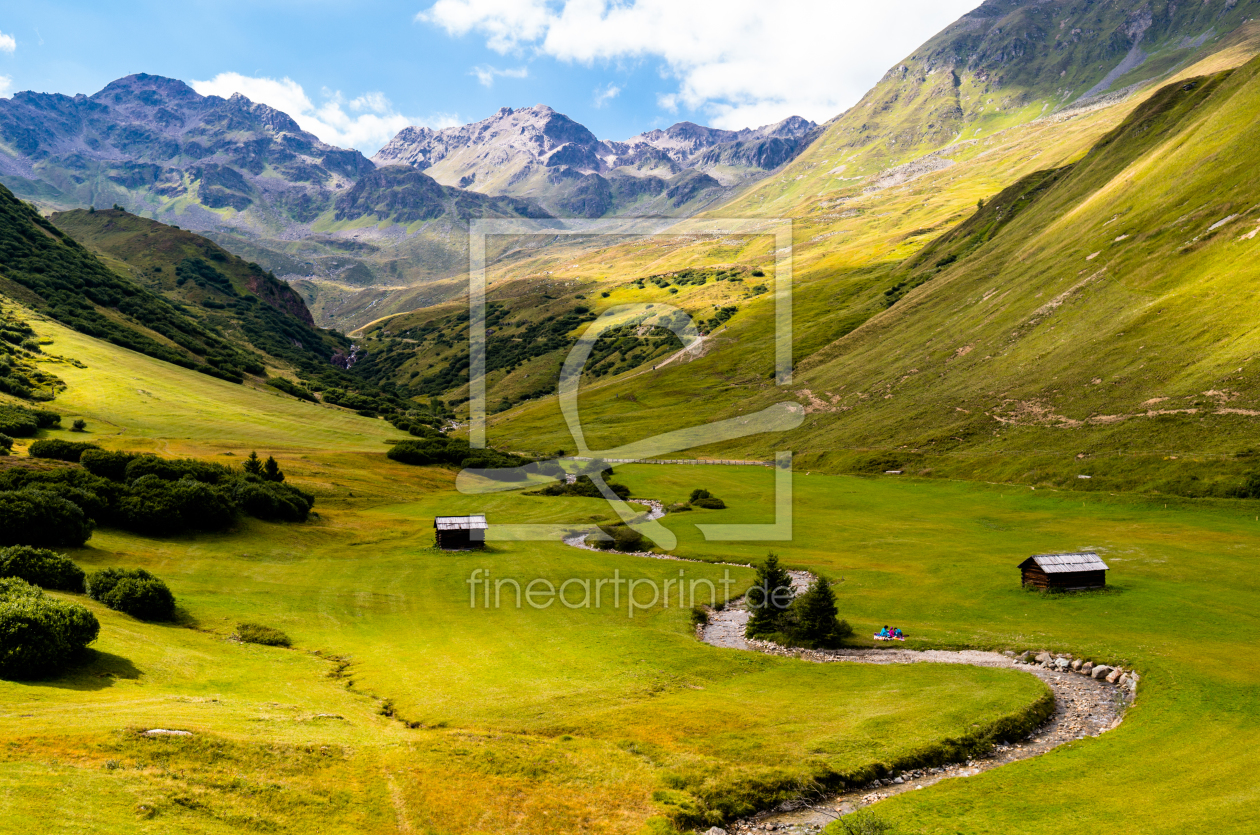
(402, 708)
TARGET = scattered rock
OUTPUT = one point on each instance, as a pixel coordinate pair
(1076, 664)
(1044, 658)
(165, 732)
(1100, 672)
(715, 830)
(1114, 676)
(1087, 667)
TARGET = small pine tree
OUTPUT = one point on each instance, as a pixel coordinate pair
(816, 618)
(253, 465)
(271, 471)
(769, 598)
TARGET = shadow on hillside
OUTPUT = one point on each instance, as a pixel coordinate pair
(96, 672)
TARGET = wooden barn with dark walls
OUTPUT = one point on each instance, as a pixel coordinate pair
(1064, 572)
(459, 533)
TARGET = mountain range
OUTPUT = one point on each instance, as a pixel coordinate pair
(539, 154)
(347, 230)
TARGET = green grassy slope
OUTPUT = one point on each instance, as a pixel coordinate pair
(1094, 328)
(135, 401)
(536, 721)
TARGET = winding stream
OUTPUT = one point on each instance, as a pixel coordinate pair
(1084, 707)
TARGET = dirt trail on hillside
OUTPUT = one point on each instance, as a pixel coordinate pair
(1084, 707)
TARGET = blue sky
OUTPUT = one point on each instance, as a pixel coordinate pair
(355, 72)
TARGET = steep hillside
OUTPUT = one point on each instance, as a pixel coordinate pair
(222, 290)
(1088, 320)
(1005, 64)
(45, 268)
(547, 157)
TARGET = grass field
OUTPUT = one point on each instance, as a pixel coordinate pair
(564, 720)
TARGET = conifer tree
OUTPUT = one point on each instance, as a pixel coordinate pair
(816, 618)
(253, 465)
(768, 599)
(271, 471)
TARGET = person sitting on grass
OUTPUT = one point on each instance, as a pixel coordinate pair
(883, 633)
(897, 634)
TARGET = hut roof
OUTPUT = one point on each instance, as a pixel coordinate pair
(476, 522)
(1066, 563)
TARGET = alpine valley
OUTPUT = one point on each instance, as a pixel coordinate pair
(1002, 306)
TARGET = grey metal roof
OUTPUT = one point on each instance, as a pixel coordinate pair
(476, 522)
(1066, 563)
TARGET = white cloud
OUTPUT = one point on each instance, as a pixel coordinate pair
(7, 43)
(487, 74)
(607, 94)
(744, 62)
(6, 84)
(366, 122)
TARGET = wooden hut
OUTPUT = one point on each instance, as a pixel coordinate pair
(459, 533)
(1064, 572)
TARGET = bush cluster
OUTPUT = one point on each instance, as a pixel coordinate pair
(141, 493)
(452, 451)
(583, 487)
(705, 499)
(619, 537)
(60, 450)
(20, 422)
(39, 634)
(41, 517)
(132, 591)
(256, 633)
(41, 567)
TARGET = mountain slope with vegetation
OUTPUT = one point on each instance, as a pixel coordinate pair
(955, 340)
(217, 287)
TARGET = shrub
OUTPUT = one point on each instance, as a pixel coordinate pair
(703, 498)
(60, 450)
(699, 616)
(39, 517)
(274, 502)
(133, 591)
(39, 634)
(157, 507)
(80, 425)
(6, 442)
(863, 822)
(107, 463)
(175, 469)
(622, 538)
(256, 633)
(18, 422)
(583, 487)
(40, 567)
